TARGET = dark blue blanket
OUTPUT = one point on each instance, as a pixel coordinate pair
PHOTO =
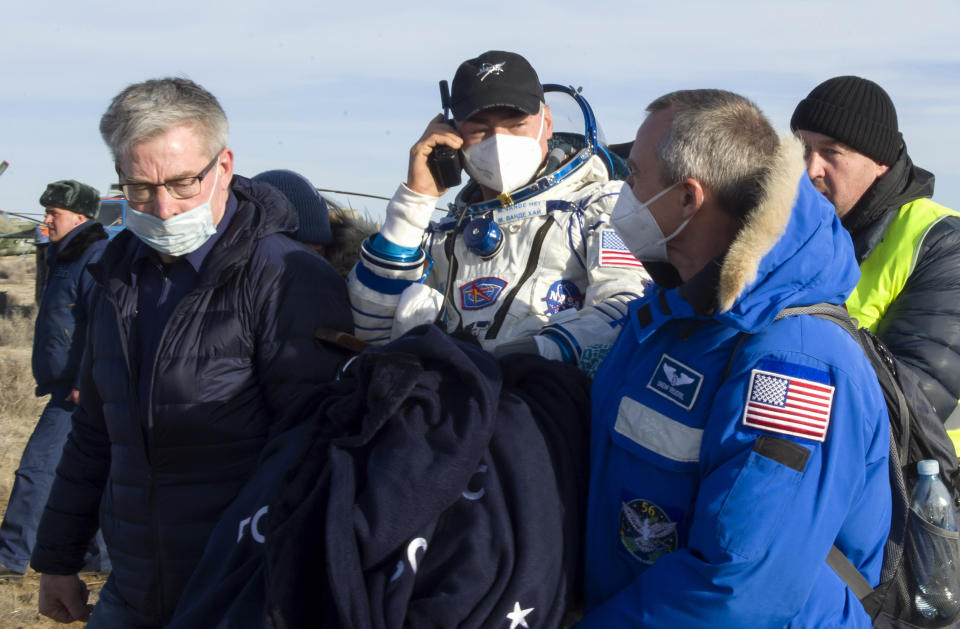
(435, 487)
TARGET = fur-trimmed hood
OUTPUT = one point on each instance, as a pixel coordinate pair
(791, 251)
(349, 229)
(764, 225)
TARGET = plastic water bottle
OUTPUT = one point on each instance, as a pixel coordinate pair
(937, 587)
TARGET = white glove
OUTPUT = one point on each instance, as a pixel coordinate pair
(408, 215)
(418, 304)
(548, 348)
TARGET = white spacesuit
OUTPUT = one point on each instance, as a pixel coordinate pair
(540, 269)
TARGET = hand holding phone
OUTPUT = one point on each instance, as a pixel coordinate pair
(444, 161)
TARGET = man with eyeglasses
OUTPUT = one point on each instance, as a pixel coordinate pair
(200, 345)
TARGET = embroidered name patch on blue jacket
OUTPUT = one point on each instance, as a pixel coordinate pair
(675, 381)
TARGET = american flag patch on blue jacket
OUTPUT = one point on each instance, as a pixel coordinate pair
(788, 405)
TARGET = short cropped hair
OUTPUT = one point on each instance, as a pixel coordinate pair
(145, 110)
(722, 140)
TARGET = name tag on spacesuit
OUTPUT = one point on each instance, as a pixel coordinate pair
(520, 211)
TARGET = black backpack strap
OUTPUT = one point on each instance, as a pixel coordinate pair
(892, 548)
(848, 573)
(833, 312)
(885, 369)
(876, 353)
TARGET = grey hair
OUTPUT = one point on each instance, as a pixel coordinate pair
(722, 140)
(145, 110)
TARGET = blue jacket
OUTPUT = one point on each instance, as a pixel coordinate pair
(60, 329)
(236, 359)
(729, 452)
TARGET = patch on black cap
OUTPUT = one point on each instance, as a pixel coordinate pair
(495, 79)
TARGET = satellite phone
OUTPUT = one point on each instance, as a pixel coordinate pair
(444, 162)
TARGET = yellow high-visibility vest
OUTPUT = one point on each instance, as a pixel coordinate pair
(885, 271)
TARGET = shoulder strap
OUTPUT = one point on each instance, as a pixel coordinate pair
(885, 368)
(833, 312)
(877, 354)
(893, 548)
(848, 573)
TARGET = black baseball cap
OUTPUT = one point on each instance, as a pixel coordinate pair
(495, 79)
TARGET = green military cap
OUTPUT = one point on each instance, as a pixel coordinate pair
(72, 195)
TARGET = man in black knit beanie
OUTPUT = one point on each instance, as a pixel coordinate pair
(908, 247)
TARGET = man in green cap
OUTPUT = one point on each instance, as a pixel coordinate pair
(58, 342)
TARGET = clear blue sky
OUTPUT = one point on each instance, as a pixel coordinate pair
(339, 94)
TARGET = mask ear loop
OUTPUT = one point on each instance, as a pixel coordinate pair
(543, 118)
(679, 229)
(667, 239)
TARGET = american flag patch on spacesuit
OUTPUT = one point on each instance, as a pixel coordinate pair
(788, 405)
(613, 251)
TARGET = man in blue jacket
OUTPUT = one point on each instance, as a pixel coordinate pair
(730, 450)
(201, 344)
(58, 340)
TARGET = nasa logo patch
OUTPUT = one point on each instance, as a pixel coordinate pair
(646, 532)
(481, 293)
(676, 382)
(561, 295)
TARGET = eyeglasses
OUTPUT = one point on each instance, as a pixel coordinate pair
(178, 188)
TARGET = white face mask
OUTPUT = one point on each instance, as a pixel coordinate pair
(504, 162)
(180, 234)
(637, 227)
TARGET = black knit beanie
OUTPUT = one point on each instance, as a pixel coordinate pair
(855, 111)
(72, 195)
(311, 208)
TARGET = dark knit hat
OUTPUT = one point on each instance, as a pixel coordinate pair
(495, 79)
(311, 208)
(855, 111)
(72, 195)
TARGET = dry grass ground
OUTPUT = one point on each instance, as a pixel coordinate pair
(19, 410)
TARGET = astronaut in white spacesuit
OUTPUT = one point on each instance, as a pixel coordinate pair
(526, 260)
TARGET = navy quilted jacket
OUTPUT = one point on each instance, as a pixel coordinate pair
(235, 357)
(60, 329)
